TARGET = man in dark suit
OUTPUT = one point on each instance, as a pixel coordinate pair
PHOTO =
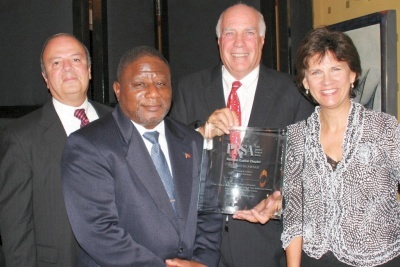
(124, 209)
(34, 226)
(267, 99)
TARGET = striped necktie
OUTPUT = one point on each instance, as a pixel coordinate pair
(81, 114)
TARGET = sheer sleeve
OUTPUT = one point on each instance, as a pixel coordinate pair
(292, 184)
(391, 139)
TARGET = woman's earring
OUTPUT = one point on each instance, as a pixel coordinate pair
(352, 85)
(306, 91)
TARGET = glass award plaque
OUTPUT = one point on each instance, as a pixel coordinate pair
(241, 168)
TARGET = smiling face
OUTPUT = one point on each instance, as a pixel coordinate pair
(240, 43)
(67, 71)
(329, 81)
(144, 91)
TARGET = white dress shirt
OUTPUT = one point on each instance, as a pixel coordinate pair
(246, 91)
(66, 115)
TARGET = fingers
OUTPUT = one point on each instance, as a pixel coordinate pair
(264, 210)
(182, 263)
(274, 201)
(262, 217)
(277, 195)
(253, 216)
(173, 263)
(219, 123)
(211, 130)
(245, 215)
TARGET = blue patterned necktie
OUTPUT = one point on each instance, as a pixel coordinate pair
(161, 165)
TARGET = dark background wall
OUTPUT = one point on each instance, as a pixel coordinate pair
(192, 40)
(24, 26)
(129, 23)
(188, 39)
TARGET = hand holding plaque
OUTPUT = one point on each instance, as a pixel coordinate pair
(241, 171)
(269, 208)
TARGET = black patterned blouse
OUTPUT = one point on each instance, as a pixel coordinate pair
(352, 211)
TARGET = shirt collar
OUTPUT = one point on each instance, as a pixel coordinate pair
(246, 81)
(159, 128)
(69, 109)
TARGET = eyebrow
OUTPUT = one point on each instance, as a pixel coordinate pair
(71, 55)
(251, 29)
(246, 29)
(227, 29)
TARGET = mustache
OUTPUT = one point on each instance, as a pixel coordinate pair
(154, 102)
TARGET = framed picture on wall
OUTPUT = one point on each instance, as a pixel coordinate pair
(375, 37)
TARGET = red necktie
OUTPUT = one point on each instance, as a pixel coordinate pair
(234, 105)
(233, 100)
(80, 114)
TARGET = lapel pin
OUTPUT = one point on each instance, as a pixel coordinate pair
(187, 156)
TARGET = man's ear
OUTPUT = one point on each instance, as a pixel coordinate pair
(45, 79)
(117, 89)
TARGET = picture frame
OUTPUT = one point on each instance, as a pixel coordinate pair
(375, 37)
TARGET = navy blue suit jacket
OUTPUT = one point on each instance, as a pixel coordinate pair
(119, 210)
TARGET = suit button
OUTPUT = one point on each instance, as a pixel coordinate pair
(180, 250)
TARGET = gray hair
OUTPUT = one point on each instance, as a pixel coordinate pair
(88, 59)
(261, 23)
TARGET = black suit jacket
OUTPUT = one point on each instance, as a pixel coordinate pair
(277, 103)
(33, 221)
(118, 207)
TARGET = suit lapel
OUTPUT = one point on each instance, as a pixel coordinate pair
(141, 165)
(180, 154)
(265, 92)
(52, 131)
(213, 94)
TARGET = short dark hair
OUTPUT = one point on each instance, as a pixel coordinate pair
(320, 41)
(134, 54)
(88, 59)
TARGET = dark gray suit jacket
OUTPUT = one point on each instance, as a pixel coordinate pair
(117, 205)
(33, 221)
(277, 103)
